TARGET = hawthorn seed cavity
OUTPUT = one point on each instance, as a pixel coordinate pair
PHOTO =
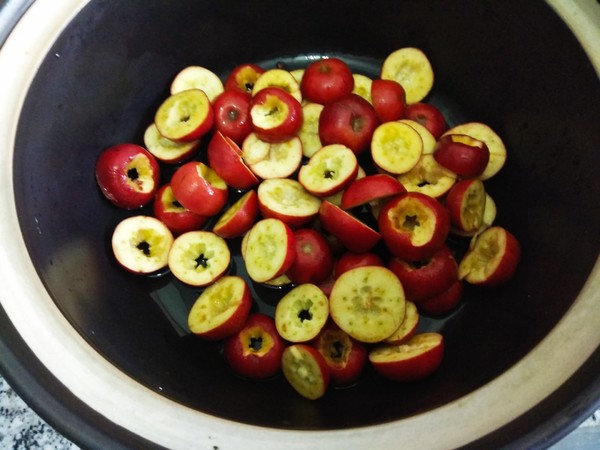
(201, 261)
(133, 174)
(255, 343)
(144, 247)
(304, 315)
(410, 222)
(336, 350)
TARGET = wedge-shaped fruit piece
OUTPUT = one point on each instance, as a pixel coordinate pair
(185, 116)
(141, 244)
(396, 147)
(306, 370)
(354, 234)
(176, 217)
(287, 200)
(414, 226)
(346, 357)
(199, 258)
(336, 198)
(166, 150)
(244, 245)
(489, 213)
(309, 131)
(408, 327)
(225, 158)
(298, 74)
(279, 78)
(221, 309)
(414, 360)
(281, 280)
(489, 216)
(411, 68)
(428, 177)
(281, 160)
(269, 250)
(329, 170)
(199, 188)
(254, 149)
(197, 77)
(370, 188)
(362, 86)
(239, 217)
(255, 351)
(466, 204)
(368, 303)
(462, 154)
(428, 139)
(302, 313)
(494, 144)
(492, 258)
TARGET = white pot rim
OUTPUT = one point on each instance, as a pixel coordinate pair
(143, 412)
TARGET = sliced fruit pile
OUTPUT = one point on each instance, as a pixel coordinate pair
(344, 188)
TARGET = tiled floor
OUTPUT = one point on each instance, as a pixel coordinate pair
(22, 429)
(585, 437)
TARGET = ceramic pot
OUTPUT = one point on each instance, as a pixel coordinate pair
(105, 357)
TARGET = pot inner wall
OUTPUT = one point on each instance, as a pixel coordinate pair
(532, 85)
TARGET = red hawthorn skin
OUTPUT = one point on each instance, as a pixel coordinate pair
(255, 351)
(326, 80)
(178, 219)
(314, 258)
(354, 235)
(426, 278)
(401, 218)
(389, 100)
(350, 260)
(345, 356)
(225, 158)
(427, 115)
(350, 120)
(443, 303)
(232, 114)
(415, 368)
(120, 184)
(243, 77)
(375, 187)
(289, 127)
(463, 155)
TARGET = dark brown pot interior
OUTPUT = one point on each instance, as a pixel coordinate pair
(513, 65)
